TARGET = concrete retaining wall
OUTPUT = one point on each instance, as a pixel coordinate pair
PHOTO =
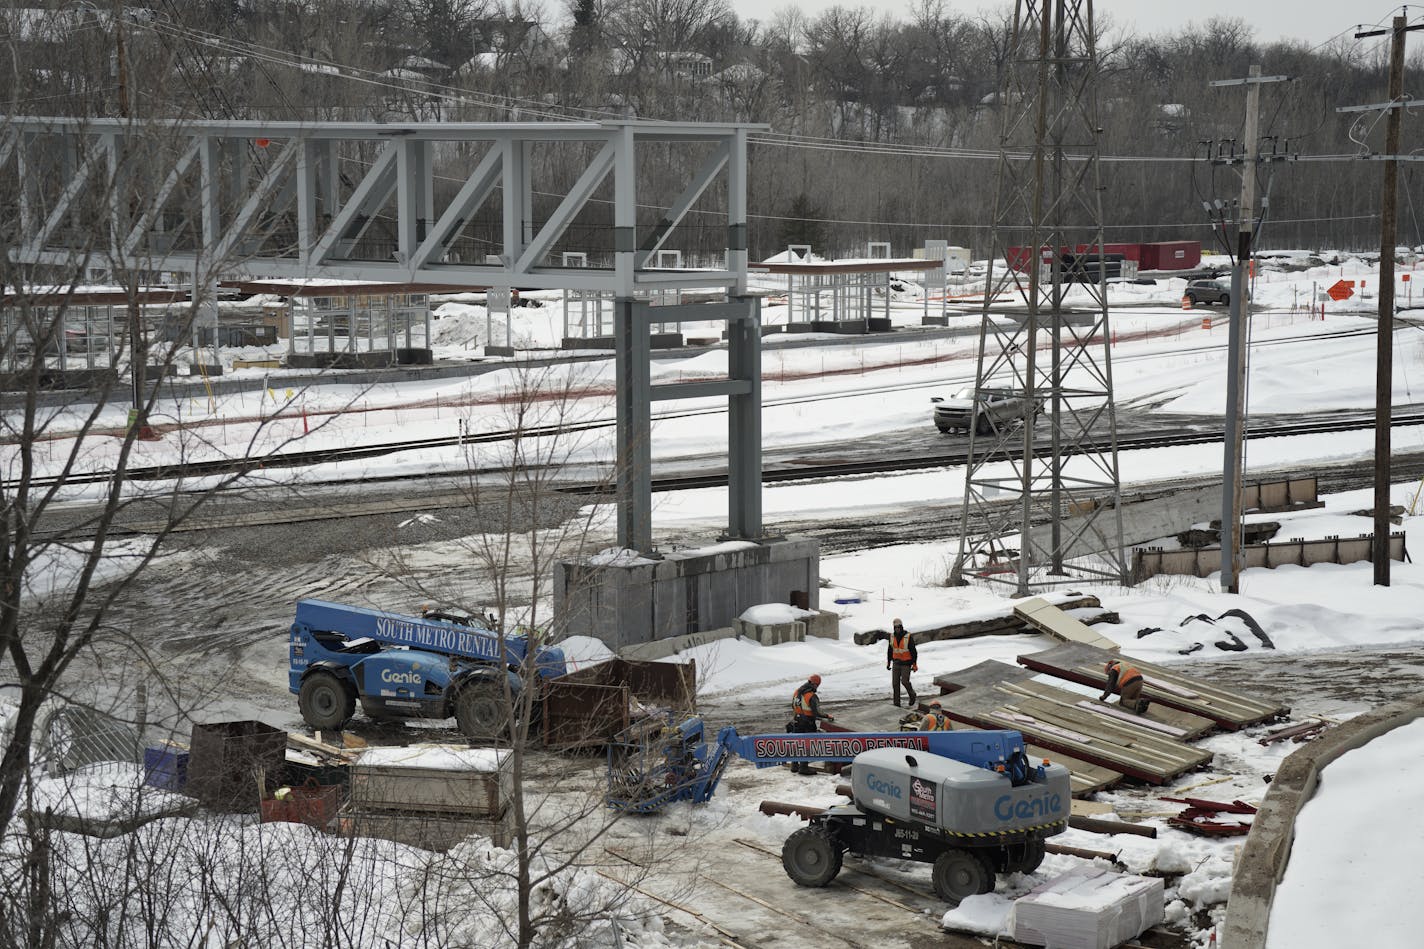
(1204, 561)
(646, 601)
(1262, 861)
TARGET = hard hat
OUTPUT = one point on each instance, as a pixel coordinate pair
(1110, 663)
(896, 621)
(935, 704)
(815, 679)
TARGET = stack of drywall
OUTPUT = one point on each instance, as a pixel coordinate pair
(430, 796)
(1087, 908)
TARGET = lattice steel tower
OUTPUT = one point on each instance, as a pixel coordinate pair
(1041, 500)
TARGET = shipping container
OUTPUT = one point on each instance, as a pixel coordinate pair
(1171, 255)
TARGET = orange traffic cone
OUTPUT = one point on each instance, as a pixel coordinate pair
(1186, 303)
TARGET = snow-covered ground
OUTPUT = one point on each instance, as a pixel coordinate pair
(1163, 356)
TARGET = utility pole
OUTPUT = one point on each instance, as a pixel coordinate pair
(1384, 340)
(1231, 558)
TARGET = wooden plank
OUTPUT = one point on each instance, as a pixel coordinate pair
(1165, 755)
(1077, 662)
(1131, 750)
(1174, 722)
(1048, 618)
(1085, 777)
(988, 672)
(996, 622)
(1185, 725)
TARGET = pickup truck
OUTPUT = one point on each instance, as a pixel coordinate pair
(997, 408)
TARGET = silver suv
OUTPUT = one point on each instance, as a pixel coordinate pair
(997, 408)
(1207, 291)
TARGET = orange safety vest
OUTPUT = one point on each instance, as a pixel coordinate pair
(936, 722)
(900, 647)
(1126, 674)
(801, 702)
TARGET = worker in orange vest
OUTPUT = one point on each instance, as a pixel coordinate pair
(902, 659)
(805, 710)
(1127, 682)
(936, 720)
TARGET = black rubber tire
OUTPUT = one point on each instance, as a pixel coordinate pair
(1191, 299)
(982, 425)
(480, 711)
(1020, 858)
(326, 703)
(1226, 300)
(961, 873)
(811, 858)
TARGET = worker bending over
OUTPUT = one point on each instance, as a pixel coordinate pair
(1127, 682)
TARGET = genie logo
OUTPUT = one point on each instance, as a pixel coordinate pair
(400, 678)
(881, 786)
(1045, 806)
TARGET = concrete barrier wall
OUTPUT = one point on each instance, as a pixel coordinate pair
(1262, 862)
(1204, 561)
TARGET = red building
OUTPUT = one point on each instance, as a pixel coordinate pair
(1162, 255)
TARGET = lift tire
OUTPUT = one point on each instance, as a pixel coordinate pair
(961, 873)
(480, 711)
(1021, 858)
(811, 858)
(983, 425)
(326, 703)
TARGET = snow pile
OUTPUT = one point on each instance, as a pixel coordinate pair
(985, 914)
(618, 557)
(580, 651)
(769, 614)
(106, 791)
(1354, 862)
(581, 908)
(434, 757)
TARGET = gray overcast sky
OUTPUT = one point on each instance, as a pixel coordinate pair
(1311, 20)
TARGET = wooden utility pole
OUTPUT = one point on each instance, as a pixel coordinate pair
(1384, 339)
(1234, 449)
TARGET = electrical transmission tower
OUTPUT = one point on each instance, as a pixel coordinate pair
(1041, 497)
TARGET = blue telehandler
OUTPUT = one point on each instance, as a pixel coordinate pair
(399, 667)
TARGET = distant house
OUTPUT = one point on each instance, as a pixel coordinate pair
(686, 64)
(1171, 118)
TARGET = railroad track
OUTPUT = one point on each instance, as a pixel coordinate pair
(718, 478)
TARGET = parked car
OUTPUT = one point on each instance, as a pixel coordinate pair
(1208, 291)
(997, 408)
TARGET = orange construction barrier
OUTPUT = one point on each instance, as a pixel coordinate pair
(1206, 322)
(1186, 303)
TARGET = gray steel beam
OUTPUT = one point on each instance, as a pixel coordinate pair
(563, 215)
(472, 194)
(701, 179)
(348, 224)
(700, 390)
(744, 424)
(633, 372)
(269, 184)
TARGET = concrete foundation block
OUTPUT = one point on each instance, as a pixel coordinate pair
(636, 600)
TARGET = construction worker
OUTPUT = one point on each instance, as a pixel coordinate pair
(805, 710)
(936, 720)
(902, 659)
(1127, 682)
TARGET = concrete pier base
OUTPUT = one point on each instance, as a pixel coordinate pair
(626, 601)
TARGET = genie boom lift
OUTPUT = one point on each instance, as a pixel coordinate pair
(967, 802)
